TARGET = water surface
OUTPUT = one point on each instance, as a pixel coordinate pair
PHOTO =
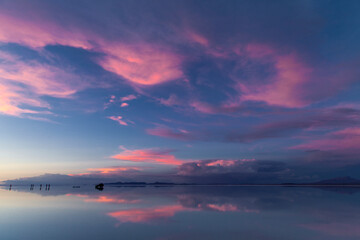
(180, 212)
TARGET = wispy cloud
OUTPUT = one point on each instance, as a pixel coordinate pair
(37, 33)
(128, 98)
(24, 83)
(286, 87)
(347, 139)
(179, 134)
(108, 171)
(141, 64)
(118, 119)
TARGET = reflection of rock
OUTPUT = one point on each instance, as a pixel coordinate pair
(100, 187)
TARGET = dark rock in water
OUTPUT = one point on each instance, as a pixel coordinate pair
(100, 187)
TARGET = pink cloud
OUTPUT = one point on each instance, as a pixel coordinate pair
(347, 139)
(118, 119)
(36, 32)
(148, 156)
(286, 87)
(223, 207)
(22, 84)
(11, 99)
(145, 63)
(113, 170)
(124, 105)
(108, 171)
(113, 100)
(128, 98)
(139, 63)
(142, 64)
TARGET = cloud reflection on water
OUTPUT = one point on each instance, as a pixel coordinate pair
(330, 213)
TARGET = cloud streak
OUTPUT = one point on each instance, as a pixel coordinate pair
(346, 140)
(148, 156)
(23, 84)
(118, 119)
(109, 171)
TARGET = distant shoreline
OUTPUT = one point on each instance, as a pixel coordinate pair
(205, 185)
(244, 185)
(237, 185)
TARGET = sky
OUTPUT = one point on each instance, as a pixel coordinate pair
(181, 91)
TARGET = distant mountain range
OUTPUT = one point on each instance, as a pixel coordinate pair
(341, 181)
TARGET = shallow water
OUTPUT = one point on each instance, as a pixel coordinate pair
(180, 212)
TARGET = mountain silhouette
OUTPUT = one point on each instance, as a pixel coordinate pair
(339, 181)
